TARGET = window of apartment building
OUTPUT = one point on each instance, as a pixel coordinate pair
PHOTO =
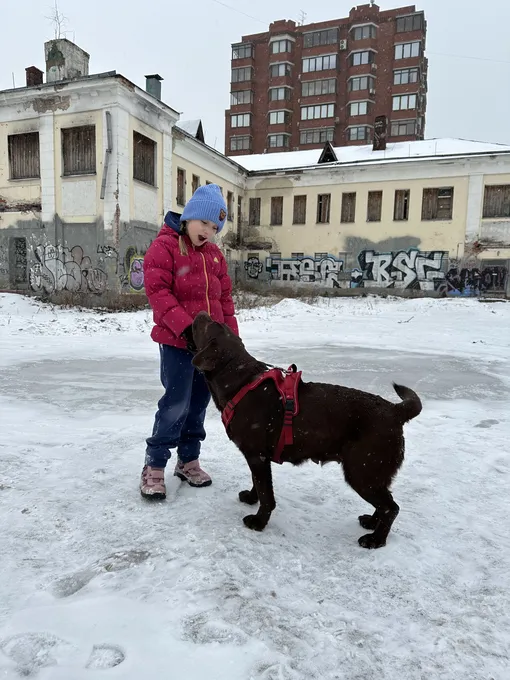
(79, 150)
(239, 210)
(278, 141)
(322, 63)
(144, 159)
(242, 51)
(408, 50)
(281, 46)
(316, 136)
(24, 162)
(238, 120)
(279, 93)
(180, 196)
(405, 76)
(297, 256)
(278, 117)
(364, 32)
(240, 75)
(280, 70)
(401, 206)
(413, 22)
(364, 57)
(326, 37)
(320, 256)
(230, 206)
(358, 133)
(299, 215)
(496, 201)
(277, 210)
(316, 87)
(358, 108)
(348, 207)
(242, 143)
(437, 204)
(241, 97)
(403, 128)
(195, 183)
(323, 208)
(254, 212)
(374, 206)
(317, 112)
(361, 83)
(404, 102)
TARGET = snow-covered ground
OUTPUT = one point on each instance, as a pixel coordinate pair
(95, 583)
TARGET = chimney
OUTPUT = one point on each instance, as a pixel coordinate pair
(34, 76)
(380, 126)
(65, 60)
(153, 85)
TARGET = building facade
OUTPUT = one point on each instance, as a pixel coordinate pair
(429, 215)
(86, 176)
(297, 87)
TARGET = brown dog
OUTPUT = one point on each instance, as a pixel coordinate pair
(362, 431)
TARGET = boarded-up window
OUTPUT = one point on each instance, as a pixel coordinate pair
(181, 186)
(401, 208)
(323, 208)
(79, 150)
(144, 159)
(195, 183)
(437, 204)
(299, 216)
(254, 216)
(24, 156)
(277, 210)
(230, 206)
(374, 206)
(496, 202)
(348, 207)
(239, 210)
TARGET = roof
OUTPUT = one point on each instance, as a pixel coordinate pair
(346, 155)
(192, 127)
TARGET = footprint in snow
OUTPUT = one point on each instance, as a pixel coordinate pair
(33, 651)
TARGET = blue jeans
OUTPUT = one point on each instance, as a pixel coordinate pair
(179, 421)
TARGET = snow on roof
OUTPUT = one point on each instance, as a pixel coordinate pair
(191, 127)
(365, 154)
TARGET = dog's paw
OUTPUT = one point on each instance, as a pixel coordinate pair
(248, 497)
(254, 522)
(371, 541)
(368, 522)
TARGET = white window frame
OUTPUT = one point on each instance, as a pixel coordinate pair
(404, 102)
(318, 111)
(408, 50)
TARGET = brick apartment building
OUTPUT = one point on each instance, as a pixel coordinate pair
(296, 87)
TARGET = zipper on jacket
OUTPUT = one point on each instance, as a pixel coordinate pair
(206, 285)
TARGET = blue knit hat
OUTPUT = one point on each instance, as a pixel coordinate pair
(207, 203)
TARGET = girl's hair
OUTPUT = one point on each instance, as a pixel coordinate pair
(183, 248)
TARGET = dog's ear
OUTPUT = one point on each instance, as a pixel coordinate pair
(206, 359)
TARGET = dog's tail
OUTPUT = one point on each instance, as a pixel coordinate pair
(410, 406)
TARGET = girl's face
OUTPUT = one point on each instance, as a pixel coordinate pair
(201, 231)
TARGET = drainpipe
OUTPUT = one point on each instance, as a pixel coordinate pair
(107, 153)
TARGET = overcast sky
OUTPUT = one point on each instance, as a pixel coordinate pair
(188, 43)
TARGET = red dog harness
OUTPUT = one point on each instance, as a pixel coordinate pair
(287, 383)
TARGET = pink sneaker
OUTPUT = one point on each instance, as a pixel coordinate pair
(192, 473)
(152, 483)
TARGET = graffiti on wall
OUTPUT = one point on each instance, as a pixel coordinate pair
(253, 267)
(320, 270)
(467, 281)
(403, 269)
(136, 279)
(59, 268)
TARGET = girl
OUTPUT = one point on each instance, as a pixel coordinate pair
(185, 273)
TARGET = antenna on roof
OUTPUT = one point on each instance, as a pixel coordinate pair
(302, 17)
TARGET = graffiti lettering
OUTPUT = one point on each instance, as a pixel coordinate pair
(472, 281)
(321, 270)
(62, 269)
(402, 269)
(136, 278)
